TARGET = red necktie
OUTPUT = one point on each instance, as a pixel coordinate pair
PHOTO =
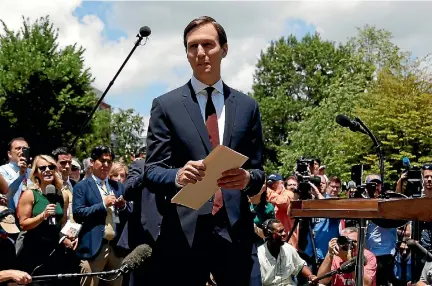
(213, 131)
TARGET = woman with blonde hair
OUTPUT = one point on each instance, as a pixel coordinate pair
(43, 244)
(118, 172)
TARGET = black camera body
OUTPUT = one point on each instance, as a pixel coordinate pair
(304, 177)
(414, 182)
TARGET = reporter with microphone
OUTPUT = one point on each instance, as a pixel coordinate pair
(41, 212)
(342, 249)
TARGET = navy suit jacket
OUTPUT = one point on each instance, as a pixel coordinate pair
(176, 135)
(134, 233)
(88, 210)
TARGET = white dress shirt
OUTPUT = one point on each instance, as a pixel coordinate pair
(218, 101)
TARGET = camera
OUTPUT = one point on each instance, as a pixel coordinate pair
(345, 243)
(304, 178)
(414, 182)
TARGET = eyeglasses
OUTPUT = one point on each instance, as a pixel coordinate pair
(65, 162)
(50, 167)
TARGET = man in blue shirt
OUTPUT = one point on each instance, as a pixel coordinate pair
(16, 171)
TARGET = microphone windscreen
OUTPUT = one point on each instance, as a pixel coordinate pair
(343, 120)
(406, 162)
(134, 259)
(50, 189)
(411, 242)
(145, 31)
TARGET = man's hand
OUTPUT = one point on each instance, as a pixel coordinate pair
(191, 173)
(22, 164)
(3, 201)
(20, 277)
(234, 179)
(109, 200)
(120, 203)
(333, 248)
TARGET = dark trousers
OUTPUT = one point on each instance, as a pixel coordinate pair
(385, 268)
(174, 262)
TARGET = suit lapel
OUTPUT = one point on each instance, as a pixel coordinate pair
(94, 188)
(230, 111)
(192, 107)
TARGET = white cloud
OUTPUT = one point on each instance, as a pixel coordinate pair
(249, 25)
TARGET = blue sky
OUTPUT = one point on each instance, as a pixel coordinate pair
(141, 99)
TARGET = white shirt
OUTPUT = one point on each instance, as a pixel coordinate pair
(218, 101)
(278, 272)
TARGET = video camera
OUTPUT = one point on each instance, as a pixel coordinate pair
(362, 190)
(414, 179)
(304, 177)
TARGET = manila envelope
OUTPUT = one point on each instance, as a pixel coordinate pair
(221, 159)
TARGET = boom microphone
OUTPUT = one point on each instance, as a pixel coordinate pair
(50, 191)
(412, 242)
(145, 31)
(345, 121)
(130, 263)
(346, 267)
(134, 259)
(406, 162)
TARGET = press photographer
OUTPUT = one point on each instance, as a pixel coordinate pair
(308, 184)
(342, 249)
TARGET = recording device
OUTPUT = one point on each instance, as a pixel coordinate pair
(345, 243)
(304, 178)
(413, 243)
(346, 267)
(50, 191)
(26, 154)
(362, 190)
(353, 125)
(131, 262)
(414, 179)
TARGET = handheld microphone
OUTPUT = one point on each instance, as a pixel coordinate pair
(346, 267)
(345, 121)
(51, 196)
(412, 242)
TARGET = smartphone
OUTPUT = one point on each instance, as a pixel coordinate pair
(26, 154)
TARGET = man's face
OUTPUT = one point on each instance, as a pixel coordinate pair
(427, 178)
(102, 166)
(75, 173)
(404, 250)
(204, 52)
(333, 189)
(279, 235)
(277, 186)
(16, 150)
(343, 251)
(292, 185)
(64, 164)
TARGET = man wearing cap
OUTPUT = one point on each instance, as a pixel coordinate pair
(381, 241)
(7, 249)
(75, 174)
(281, 199)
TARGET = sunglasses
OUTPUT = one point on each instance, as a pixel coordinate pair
(74, 168)
(43, 168)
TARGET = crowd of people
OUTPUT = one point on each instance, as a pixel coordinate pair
(59, 215)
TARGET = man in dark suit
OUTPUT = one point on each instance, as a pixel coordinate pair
(185, 125)
(99, 206)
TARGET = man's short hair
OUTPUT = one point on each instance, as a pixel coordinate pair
(13, 140)
(349, 230)
(335, 179)
(60, 151)
(98, 151)
(267, 226)
(200, 21)
(142, 150)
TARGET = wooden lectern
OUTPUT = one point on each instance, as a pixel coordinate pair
(418, 209)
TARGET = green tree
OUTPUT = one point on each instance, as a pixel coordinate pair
(45, 92)
(292, 75)
(127, 128)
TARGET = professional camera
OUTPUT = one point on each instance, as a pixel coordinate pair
(345, 243)
(304, 177)
(414, 182)
(362, 191)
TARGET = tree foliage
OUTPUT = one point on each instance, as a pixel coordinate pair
(127, 128)
(45, 92)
